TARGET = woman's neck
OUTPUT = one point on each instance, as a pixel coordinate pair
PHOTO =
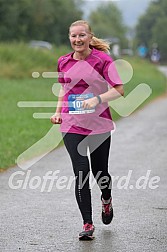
(82, 55)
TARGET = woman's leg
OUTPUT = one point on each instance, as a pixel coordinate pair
(99, 153)
(81, 170)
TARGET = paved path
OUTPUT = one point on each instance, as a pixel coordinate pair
(35, 221)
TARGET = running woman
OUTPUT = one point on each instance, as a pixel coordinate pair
(88, 81)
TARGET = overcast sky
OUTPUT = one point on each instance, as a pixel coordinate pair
(131, 9)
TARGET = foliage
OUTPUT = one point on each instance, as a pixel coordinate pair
(151, 26)
(25, 20)
(38, 19)
(107, 22)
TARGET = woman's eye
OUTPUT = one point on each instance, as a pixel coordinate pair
(80, 35)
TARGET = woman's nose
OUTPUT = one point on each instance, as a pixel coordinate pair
(78, 37)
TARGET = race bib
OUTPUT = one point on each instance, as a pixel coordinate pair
(75, 102)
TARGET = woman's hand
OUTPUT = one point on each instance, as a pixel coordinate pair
(90, 103)
(56, 118)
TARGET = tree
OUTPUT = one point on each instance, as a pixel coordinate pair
(38, 19)
(151, 27)
(107, 22)
(51, 19)
(160, 37)
(14, 18)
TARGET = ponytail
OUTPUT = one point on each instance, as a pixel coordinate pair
(100, 45)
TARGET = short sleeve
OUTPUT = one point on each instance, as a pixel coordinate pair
(60, 73)
(110, 73)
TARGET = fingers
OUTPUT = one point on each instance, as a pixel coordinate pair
(56, 120)
(86, 105)
(90, 103)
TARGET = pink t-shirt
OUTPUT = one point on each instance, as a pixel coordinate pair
(83, 79)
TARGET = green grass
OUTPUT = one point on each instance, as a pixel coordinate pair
(19, 130)
(18, 60)
(144, 72)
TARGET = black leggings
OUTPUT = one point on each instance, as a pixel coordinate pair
(99, 146)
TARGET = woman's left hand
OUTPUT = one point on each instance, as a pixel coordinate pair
(90, 103)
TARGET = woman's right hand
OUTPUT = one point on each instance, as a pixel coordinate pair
(56, 118)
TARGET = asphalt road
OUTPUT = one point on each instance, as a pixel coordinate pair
(49, 221)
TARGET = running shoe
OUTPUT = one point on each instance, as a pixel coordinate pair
(107, 211)
(87, 233)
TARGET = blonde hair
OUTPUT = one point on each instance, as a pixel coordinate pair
(96, 43)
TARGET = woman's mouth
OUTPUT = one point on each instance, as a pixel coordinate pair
(78, 44)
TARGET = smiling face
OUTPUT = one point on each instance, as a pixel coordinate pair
(80, 38)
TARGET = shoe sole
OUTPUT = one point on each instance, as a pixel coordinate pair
(86, 238)
(107, 222)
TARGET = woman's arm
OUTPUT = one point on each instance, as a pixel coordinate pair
(110, 95)
(56, 118)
